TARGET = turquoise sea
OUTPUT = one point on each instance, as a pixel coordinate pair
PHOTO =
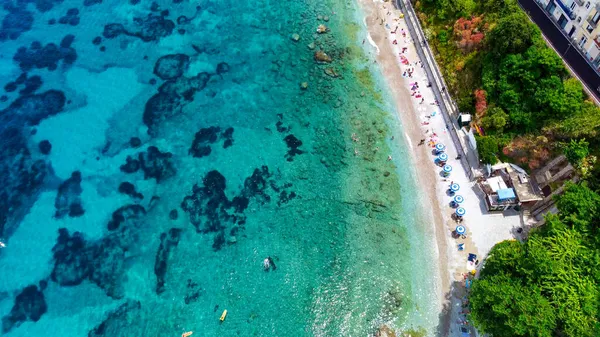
(154, 154)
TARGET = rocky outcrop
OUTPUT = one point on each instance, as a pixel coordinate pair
(118, 320)
(29, 305)
(68, 199)
(168, 241)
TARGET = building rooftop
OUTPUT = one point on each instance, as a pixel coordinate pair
(524, 188)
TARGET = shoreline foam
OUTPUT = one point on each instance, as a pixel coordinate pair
(422, 159)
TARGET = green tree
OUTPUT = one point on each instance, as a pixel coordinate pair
(513, 34)
(487, 148)
(552, 281)
(500, 8)
(505, 307)
(576, 151)
(579, 207)
(580, 124)
(495, 119)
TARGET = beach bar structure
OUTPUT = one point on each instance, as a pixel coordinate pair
(509, 187)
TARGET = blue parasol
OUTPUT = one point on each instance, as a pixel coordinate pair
(442, 157)
(447, 168)
(460, 211)
(460, 230)
(459, 199)
(454, 187)
(440, 147)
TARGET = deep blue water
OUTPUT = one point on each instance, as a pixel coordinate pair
(155, 153)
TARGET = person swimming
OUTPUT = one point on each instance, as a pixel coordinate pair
(269, 264)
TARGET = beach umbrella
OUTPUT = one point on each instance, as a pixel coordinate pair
(460, 211)
(447, 168)
(454, 187)
(459, 199)
(460, 230)
(440, 147)
(442, 157)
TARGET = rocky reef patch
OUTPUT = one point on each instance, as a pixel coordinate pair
(68, 200)
(211, 211)
(203, 139)
(48, 56)
(293, 144)
(118, 320)
(168, 241)
(154, 164)
(16, 22)
(29, 305)
(101, 261)
(149, 28)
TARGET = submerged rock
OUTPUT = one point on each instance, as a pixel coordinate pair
(102, 261)
(167, 242)
(68, 199)
(45, 146)
(150, 28)
(129, 189)
(34, 108)
(131, 165)
(321, 57)
(171, 66)
(118, 320)
(202, 140)
(124, 215)
(385, 331)
(71, 259)
(16, 22)
(211, 211)
(222, 68)
(293, 144)
(172, 96)
(156, 164)
(322, 29)
(29, 305)
(48, 56)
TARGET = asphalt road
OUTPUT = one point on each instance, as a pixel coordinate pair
(561, 43)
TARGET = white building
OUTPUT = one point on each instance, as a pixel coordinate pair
(579, 20)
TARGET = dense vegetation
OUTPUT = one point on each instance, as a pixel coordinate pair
(498, 68)
(549, 285)
(527, 109)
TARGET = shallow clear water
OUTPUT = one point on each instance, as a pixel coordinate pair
(227, 160)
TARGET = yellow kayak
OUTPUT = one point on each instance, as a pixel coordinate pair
(223, 315)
